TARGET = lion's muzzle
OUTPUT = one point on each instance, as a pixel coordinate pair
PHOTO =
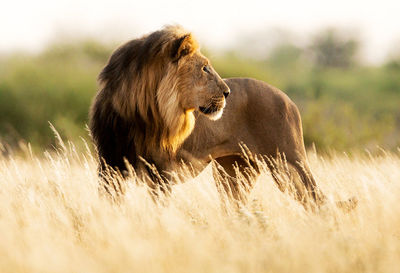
(214, 109)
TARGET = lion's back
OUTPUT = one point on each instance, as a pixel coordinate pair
(257, 100)
(256, 113)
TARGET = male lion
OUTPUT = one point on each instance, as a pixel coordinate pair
(161, 103)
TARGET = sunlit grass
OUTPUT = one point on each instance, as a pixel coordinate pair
(52, 219)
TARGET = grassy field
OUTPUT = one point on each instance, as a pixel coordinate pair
(53, 220)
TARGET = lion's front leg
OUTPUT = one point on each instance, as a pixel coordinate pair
(155, 175)
(165, 171)
(235, 178)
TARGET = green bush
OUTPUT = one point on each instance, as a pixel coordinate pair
(55, 86)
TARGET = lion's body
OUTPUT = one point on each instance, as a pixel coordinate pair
(161, 102)
(261, 117)
(256, 114)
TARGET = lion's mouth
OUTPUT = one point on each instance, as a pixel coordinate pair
(213, 111)
(208, 110)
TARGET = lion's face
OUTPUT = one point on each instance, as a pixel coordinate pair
(200, 87)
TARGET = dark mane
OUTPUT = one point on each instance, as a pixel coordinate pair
(125, 118)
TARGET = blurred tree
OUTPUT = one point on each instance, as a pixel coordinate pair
(332, 49)
(393, 58)
(393, 64)
(89, 49)
(284, 55)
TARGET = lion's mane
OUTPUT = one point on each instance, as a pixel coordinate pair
(137, 113)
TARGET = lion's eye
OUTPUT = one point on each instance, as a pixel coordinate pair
(206, 69)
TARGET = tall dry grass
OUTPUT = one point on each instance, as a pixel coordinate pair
(53, 220)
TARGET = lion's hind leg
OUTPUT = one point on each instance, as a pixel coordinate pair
(314, 193)
(294, 177)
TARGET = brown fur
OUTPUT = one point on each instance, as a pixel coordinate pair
(160, 100)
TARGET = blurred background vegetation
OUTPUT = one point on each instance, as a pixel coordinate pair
(345, 103)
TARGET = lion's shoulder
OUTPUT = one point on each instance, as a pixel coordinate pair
(253, 92)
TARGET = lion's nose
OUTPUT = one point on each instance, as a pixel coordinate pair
(226, 93)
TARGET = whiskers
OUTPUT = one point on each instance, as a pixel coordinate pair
(214, 108)
(214, 104)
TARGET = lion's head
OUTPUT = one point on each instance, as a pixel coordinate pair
(158, 81)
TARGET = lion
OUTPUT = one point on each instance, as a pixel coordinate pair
(161, 104)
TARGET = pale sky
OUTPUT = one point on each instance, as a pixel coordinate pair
(32, 24)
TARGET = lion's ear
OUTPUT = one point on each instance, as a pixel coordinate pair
(183, 46)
